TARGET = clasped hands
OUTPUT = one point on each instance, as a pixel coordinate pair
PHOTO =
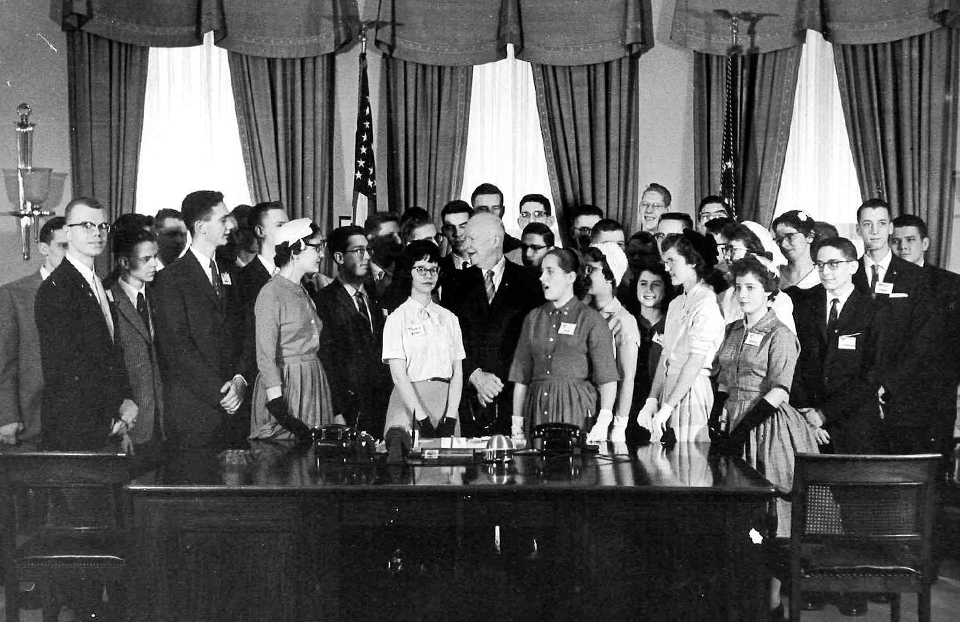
(654, 417)
(488, 386)
(233, 392)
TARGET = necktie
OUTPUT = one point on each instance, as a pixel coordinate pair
(104, 305)
(490, 285)
(215, 278)
(142, 311)
(362, 307)
(832, 318)
(875, 276)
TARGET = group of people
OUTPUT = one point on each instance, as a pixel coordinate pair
(765, 342)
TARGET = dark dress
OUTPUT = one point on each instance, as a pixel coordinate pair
(563, 355)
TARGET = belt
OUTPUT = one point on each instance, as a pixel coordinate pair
(445, 380)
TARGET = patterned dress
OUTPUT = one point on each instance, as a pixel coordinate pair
(693, 326)
(563, 355)
(751, 363)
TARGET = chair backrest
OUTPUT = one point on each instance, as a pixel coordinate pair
(852, 500)
(63, 490)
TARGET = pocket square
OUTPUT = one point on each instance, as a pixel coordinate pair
(899, 295)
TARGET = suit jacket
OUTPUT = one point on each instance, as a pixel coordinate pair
(21, 377)
(352, 357)
(253, 277)
(84, 377)
(836, 380)
(908, 330)
(140, 360)
(945, 286)
(199, 343)
(491, 330)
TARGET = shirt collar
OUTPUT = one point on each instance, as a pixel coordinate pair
(203, 259)
(458, 261)
(843, 295)
(567, 308)
(883, 263)
(131, 291)
(263, 262)
(44, 273)
(87, 273)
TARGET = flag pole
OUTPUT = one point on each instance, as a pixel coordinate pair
(365, 179)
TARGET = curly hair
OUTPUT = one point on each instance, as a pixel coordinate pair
(752, 266)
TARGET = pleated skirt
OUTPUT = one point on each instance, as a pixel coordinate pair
(689, 418)
(559, 400)
(307, 394)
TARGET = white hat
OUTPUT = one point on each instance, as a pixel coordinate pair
(767, 241)
(616, 259)
(293, 231)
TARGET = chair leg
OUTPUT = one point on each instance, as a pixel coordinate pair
(12, 590)
(895, 607)
(923, 603)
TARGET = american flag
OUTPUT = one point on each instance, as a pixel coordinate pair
(365, 172)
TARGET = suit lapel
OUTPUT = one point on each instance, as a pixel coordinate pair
(850, 312)
(198, 275)
(125, 308)
(87, 298)
(819, 314)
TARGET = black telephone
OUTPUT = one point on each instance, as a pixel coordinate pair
(341, 443)
(559, 438)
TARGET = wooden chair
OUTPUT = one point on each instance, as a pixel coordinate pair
(863, 524)
(82, 533)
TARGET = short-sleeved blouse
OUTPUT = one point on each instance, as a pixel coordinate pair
(754, 361)
(428, 338)
(629, 331)
(571, 342)
(694, 325)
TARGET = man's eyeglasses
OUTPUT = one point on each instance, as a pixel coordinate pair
(426, 271)
(533, 216)
(833, 264)
(649, 206)
(90, 227)
(322, 244)
(731, 251)
(582, 230)
(534, 247)
(359, 251)
(780, 239)
(589, 270)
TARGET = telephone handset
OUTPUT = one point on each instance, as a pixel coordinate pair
(559, 438)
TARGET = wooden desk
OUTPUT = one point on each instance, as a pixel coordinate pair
(659, 535)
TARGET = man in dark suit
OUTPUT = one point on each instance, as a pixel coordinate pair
(137, 256)
(199, 326)
(87, 401)
(383, 239)
(21, 377)
(910, 242)
(907, 330)
(488, 198)
(491, 304)
(351, 342)
(454, 217)
(832, 384)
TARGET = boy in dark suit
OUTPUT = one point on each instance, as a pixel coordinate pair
(351, 341)
(199, 326)
(832, 384)
(21, 377)
(908, 330)
(87, 401)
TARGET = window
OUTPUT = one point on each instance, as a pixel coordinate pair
(818, 174)
(504, 143)
(191, 140)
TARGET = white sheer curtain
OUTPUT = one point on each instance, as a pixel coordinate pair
(504, 144)
(819, 176)
(190, 135)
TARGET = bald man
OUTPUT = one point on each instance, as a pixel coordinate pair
(491, 305)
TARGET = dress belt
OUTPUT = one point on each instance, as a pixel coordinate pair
(300, 358)
(436, 379)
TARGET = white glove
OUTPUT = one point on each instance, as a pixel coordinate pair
(645, 416)
(516, 427)
(660, 421)
(599, 430)
(619, 432)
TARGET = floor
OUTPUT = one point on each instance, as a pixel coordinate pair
(945, 605)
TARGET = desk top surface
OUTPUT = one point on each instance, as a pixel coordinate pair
(652, 469)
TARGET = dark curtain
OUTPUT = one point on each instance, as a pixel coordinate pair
(285, 113)
(428, 108)
(900, 105)
(107, 84)
(589, 117)
(766, 84)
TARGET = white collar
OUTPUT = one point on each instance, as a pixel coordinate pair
(884, 263)
(131, 291)
(87, 273)
(263, 261)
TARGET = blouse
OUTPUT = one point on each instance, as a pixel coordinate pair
(782, 306)
(428, 338)
(287, 327)
(571, 342)
(694, 325)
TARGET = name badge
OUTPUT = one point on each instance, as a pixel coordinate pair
(415, 331)
(754, 339)
(847, 342)
(566, 328)
(225, 279)
(658, 338)
(884, 288)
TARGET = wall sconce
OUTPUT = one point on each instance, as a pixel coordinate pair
(29, 187)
